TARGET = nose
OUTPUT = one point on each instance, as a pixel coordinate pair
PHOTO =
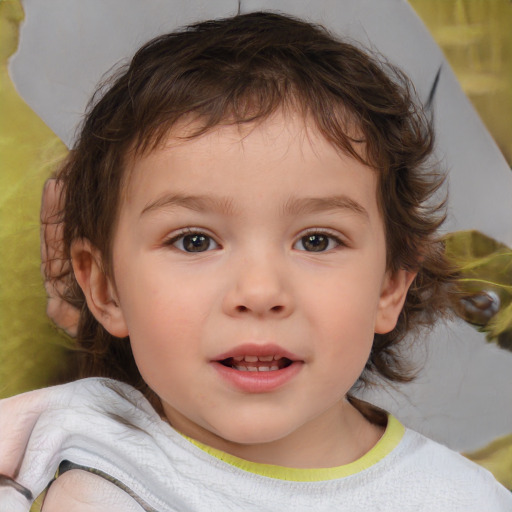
(259, 287)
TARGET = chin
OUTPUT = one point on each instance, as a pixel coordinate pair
(254, 433)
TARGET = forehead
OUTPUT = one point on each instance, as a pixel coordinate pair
(282, 157)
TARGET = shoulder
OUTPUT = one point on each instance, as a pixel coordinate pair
(86, 421)
(436, 471)
(82, 491)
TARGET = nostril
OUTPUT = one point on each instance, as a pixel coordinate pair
(274, 309)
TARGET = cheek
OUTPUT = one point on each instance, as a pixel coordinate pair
(166, 316)
(343, 318)
(348, 303)
(153, 293)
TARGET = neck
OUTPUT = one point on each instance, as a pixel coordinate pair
(339, 436)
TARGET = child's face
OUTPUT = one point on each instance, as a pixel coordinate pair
(263, 244)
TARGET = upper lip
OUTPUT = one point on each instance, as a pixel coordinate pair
(257, 349)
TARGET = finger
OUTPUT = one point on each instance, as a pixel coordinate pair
(63, 314)
(53, 258)
(54, 263)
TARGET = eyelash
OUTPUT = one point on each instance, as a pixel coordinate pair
(173, 240)
(321, 233)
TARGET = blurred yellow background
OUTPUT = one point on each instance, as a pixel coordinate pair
(476, 37)
(30, 352)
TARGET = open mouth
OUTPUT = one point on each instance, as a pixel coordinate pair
(253, 368)
(269, 363)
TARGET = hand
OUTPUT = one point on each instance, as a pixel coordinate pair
(55, 266)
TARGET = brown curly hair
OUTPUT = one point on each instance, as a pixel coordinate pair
(242, 70)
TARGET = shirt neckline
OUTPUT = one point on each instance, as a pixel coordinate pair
(387, 443)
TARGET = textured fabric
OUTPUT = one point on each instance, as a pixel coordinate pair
(111, 431)
(391, 438)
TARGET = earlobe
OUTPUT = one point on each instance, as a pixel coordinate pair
(393, 295)
(97, 287)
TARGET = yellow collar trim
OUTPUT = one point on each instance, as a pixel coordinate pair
(390, 439)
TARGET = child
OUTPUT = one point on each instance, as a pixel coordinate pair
(252, 234)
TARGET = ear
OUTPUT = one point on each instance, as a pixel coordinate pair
(98, 288)
(393, 294)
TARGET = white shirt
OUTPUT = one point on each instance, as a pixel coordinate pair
(140, 463)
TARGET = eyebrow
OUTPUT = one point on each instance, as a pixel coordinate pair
(323, 204)
(294, 206)
(197, 203)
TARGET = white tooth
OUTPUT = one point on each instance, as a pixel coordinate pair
(251, 359)
(266, 358)
(264, 369)
(274, 368)
(276, 358)
(241, 368)
(238, 358)
(252, 368)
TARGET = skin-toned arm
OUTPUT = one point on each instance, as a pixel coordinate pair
(53, 263)
(81, 491)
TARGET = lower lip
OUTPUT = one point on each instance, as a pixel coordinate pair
(258, 382)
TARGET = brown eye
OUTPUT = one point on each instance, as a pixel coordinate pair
(194, 242)
(317, 242)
